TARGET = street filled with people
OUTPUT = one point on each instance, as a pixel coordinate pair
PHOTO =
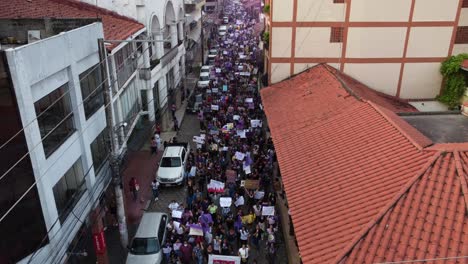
(229, 208)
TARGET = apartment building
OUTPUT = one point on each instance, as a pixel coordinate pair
(394, 47)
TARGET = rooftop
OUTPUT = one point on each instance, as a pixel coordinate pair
(359, 164)
(115, 26)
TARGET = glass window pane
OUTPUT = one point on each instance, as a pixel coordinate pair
(92, 90)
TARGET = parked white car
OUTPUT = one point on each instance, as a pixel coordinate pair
(206, 68)
(204, 80)
(222, 30)
(146, 246)
(171, 169)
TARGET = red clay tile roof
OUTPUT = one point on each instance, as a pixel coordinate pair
(427, 220)
(343, 160)
(115, 26)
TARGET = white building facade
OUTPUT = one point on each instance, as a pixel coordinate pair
(395, 47)
(60, 101)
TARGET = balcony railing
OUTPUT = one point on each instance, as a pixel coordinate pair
(169, 55)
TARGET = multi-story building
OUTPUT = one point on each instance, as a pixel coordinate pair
(55, 144)
(395, 47)
(193, 10)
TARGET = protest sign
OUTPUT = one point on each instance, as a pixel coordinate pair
(215, 107)
(225, 88)
(215, 186)
(176, 225)
(193, 171)
(198, 140)
(214, 90)
(251, 184)
(241, 133)
(259, 195)
(239, 201)
(239, 155)
(224, 148)
(235, 117)
(268, 210)
(223, 259)
(196, 230)
(247, 170)
(231, 176)
(176, 214)
(249, 100)
(214, 132)
(225, 201)
(199, 146)
(218, 70)
(256, 123)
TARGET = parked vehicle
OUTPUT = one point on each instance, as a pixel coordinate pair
(206, 68)
(226, 20)
(146, 246)
(222, 30)
(204, 80)
(194, 103)
(171, 169)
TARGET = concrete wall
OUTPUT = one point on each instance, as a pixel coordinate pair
(282, 10)
(422, 42)
(374, 42)
(37, 69)
(382, 77)
(315, 42)
(317, 10)
(380, 10)
(281, 39)
(435, 10)
(426, 86)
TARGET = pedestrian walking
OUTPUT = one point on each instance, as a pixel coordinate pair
(155, 189)
(176, 124)
(134, 188)
(154, 145)
(173, 110)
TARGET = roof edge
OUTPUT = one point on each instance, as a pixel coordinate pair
(343, 83)
(418, 145)
(449, 147)
(343, 253)
(461, 176)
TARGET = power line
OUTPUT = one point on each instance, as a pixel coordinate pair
(68, 115)
(40, 178)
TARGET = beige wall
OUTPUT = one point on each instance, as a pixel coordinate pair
(315, 42)
(375, 42)
(435, 10)
(463, 22)
(420, 81)
(282, 10)
(381, 77)
(281, 42)
(279, 71)
(300, 67)
(319, 10)
(460, 48)
(380, 10)
(429, 41)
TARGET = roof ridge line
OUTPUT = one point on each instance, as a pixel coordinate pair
(343, 83)
(385, 209)
(400, 129)
(461, 175)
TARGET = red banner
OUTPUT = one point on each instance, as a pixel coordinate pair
(99, 243)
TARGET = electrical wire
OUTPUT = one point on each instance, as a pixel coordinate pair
(41, 176)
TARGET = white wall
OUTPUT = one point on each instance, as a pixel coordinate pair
(429, 41)
(279, 72)
(375, 42)
(381, 77)
(380, 10)
(463, 21)
(37, 69)
(282, 10)
(319, 10)
(421, 81)
(315, 42)
(123, 7)
(435, 10)
(281, 42)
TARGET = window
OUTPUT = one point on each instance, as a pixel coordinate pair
(144, 246)
(169, 162)
(56, 118)
(462, 35)
(162, 230)
(100, 150)
(92, 90)
(125, 63)
(68, 190)
(336, 35)
(465, 4)
(338, 1)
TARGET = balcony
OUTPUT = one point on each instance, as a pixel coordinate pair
(169, 55)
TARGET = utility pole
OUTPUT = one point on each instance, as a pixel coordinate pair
(115, 156)
(202, 37)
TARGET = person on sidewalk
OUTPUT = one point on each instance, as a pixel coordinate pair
(154, 146)
(176, 123)
(158, 141)
(155, 188)
(134, 187)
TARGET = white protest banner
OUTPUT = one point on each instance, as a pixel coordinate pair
(256, 123)
(223, 259)
(203, 136)
(215, 186)
(218, 70)
(199, 146)
(215, 107)
(214, 132)
(225, 201)
(249, 100)
(214, 90)
(225, 52)
(239, 201)
(241, 133)
(193, 171)
(239, 155)
(176, 214)
(225, 149)
(198, 140)
(176, 225)
(236, 117)
(244, 74)
(196, 230)
(230, 126)
(259, 195)
(247, 170)
(268, 210)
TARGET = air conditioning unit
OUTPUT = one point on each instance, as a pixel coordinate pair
(34, 35)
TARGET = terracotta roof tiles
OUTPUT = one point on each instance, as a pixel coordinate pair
(115, 26)
(344, 161)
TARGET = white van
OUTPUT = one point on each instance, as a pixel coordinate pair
(171, 169)
(222, 30)
(146, 246)
(204, 80)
